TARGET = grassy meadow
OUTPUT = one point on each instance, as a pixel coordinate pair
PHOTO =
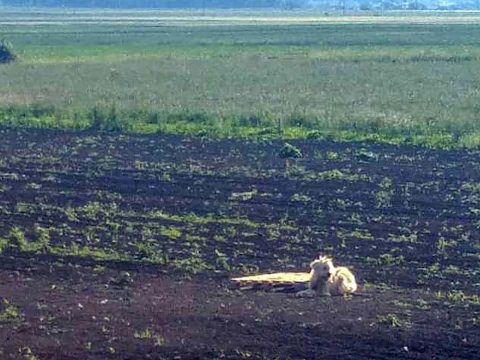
(398, 77)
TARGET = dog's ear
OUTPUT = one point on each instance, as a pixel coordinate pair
(324, 258)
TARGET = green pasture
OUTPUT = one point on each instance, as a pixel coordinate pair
(393, 77)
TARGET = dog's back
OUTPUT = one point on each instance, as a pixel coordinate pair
(342, 282)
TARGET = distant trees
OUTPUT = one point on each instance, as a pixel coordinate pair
(145, 3)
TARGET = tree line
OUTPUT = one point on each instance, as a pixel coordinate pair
(148, 3)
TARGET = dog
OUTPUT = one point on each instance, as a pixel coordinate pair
(328, 280)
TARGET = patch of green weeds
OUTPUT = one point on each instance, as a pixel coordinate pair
(9, 312)
(389, 260)
(391, 320)
(383, 198)
(149, 334)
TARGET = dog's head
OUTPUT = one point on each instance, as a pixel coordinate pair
(323, 266)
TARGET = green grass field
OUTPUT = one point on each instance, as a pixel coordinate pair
(397, 77)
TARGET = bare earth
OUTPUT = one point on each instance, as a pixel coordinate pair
(71, 312)
(404, 218)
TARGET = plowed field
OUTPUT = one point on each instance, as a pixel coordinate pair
(121, 246)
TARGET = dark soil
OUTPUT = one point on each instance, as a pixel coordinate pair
(75, 313)
(177, 217)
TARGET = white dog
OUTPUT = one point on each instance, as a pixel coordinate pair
(327, 280)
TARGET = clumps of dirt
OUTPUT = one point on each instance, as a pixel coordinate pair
(6, 53)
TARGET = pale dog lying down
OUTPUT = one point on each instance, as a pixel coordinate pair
(326, 279)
